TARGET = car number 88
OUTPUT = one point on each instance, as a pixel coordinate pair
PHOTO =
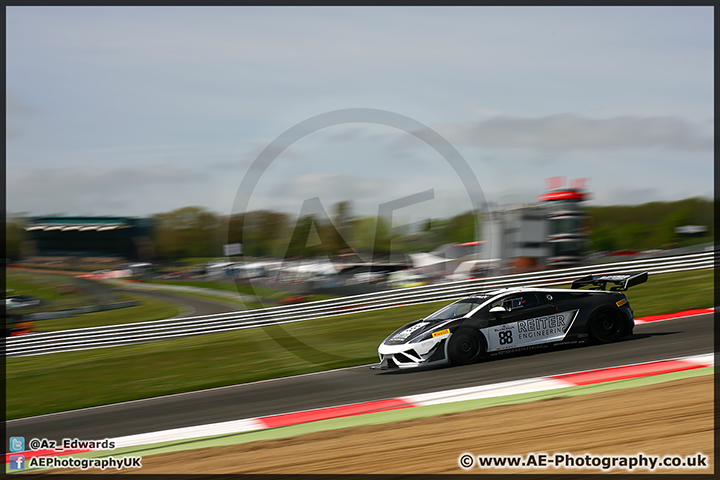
(505, 337)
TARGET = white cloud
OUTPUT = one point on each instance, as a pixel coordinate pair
(13, 131)
(101, 190)
(16, 107)
(333, 185)
(15, 112)
(574, 132)
(177, 102)
(615, 195)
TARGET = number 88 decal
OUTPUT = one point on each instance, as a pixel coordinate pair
(505, 337)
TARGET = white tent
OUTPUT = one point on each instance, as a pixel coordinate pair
(467, 266)
(421, 260)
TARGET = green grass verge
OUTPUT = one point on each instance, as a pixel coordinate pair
(265, 293)
(63, 292)
(226, 287)
(207, 294)
(95, 377)
(268, 296)
(147, 310)
(58, 291)
(63, 381)
(23, 284)
(230, 302)
(673, 292)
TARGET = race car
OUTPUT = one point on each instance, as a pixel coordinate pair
(514, 319)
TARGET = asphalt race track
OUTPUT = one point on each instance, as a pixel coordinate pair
(651, 341)
(195, 306)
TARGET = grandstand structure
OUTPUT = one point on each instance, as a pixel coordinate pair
(99, 240)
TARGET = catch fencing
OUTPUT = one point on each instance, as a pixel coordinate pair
(132, 333)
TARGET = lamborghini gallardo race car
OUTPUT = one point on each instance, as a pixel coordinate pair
(515, 319)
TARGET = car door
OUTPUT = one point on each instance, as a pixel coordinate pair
(516, 326)
(559, 319)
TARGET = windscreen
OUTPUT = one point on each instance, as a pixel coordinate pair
(457, 309)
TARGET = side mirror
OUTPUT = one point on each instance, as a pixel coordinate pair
(497, 311)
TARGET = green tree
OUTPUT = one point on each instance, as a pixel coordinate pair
(632, 236)
(187, 232)
(263, 233)
(674, 219)
(650, 225)
(343, 222)
(460, 229)
(14, 235)
(603, 239)
(383, 240)
(305, 240)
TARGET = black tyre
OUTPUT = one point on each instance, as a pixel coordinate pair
(606, 327)
(465, 346)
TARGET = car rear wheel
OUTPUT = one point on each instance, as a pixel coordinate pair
(465, 346)
(606, 327)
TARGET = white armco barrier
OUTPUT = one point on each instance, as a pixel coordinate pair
(130, 333)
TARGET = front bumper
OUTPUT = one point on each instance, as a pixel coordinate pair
(386, 364)
(412, 355)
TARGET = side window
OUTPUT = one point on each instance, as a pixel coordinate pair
(530, 300)
(561, 296)
(511, 303)
(506, 303)
(526, 300)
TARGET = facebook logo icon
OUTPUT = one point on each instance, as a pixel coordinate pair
(17, 462)
(17, 444)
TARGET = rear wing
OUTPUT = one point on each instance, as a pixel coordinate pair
(621, 281)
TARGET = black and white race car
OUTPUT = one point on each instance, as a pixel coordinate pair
(514, 319)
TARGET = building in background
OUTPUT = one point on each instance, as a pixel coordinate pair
(520, 237)
(121, 238)
(552, 232)
(569, 225)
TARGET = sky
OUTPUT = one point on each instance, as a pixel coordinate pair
(135, 111)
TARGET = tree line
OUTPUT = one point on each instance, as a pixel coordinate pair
(197, 232)
(265, 233)
(193, 231)
(650, 225)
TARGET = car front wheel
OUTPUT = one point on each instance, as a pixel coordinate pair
(465, 346)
